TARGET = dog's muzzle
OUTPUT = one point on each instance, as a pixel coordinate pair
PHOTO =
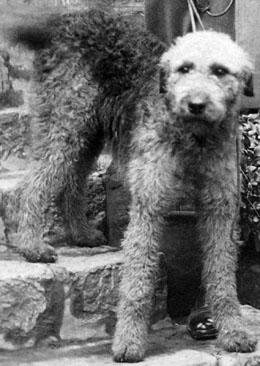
(196, 108)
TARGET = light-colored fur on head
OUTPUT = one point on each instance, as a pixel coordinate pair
(205, 68)
(214, 46)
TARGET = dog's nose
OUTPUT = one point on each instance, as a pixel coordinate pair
(196, 108)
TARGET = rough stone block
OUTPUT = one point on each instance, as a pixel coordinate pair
(74, 298)
(31, 303)
(93, 284)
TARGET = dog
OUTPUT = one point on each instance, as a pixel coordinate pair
(97, 79)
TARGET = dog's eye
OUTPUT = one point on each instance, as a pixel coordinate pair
(219, 71)
(185, 69)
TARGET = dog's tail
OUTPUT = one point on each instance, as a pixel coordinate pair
(33, 37)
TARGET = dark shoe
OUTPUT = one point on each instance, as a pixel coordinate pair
(201, 326)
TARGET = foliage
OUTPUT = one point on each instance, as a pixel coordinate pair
(15, 135)
(250, 182)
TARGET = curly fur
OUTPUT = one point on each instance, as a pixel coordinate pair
(97, 77)
(91, 70)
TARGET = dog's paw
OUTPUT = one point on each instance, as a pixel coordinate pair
(40, 253)
(127, 351)
(129, 344)
(236, 338)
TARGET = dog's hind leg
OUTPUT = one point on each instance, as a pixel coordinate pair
(52, 205)
(68, 137)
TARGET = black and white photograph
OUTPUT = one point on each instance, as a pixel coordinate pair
(129, 182)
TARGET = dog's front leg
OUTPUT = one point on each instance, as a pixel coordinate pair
(149, 185)
(139, 274)
(217, 214)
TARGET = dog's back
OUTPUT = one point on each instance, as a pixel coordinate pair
(120, 57)
(92, 72)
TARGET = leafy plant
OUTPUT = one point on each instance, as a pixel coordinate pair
(250, 181)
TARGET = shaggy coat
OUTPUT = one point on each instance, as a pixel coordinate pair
(97, 77)
(91, 71)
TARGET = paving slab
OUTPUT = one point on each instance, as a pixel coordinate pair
(168, 346)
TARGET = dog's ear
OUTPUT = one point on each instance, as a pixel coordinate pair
(162, 81)
(164, 69)
(249, 85)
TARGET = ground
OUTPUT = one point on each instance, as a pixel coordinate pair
(168, 347)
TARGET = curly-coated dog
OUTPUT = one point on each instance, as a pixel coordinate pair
(96, 77)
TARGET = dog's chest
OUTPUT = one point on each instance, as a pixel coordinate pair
(183, 178)
(189, 172)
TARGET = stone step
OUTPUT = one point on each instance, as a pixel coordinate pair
(67, 310)
(74, 298)
(48, 300)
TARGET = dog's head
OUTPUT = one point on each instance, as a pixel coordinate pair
(204, 74)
